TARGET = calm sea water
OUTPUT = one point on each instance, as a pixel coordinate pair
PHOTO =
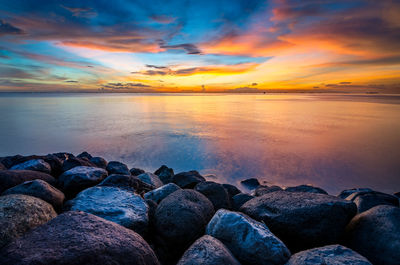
(331, 141)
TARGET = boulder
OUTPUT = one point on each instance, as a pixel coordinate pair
(127, 182)
(250, 241)
(165, 174)
(160, 193)
(63, 155)
(136, 171)
(301, 219)
(2, 167)
(262, 189)
(231, 189)
(329, 255)
(250, 183)
(35, 165)
(79, 178)
(239, 200)
(397, 194)
(11, 178)
(306, 188)
(113, 204)
(151, 179)
(179, 220)
(40, 189)
(346, 193)
(365, 200)
(187, 180)
(99, 162)
(55, 163)
(9, 161)
(20, 213)
(72, 162)
(115, 167)
(75, 238)
(216, 193)
(208, 251)
(85, 155)
(375, 234)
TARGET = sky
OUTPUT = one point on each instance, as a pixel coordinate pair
(200, 46)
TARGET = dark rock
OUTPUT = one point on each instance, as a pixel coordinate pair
(165, 174)
(20, 213)
(79, 178)
(35, 165)
(162, 192)
(179, 220)
(75, 238)
(262, 189)
(152, 211)
(9, 161)
(250, 241)
(136, 171)
(85, 155)
(329, 255)
(11, 178)
(151, 179)
(72, 162)
(115, 167)
(231, 189)
(346, 193)
(306, 188)
(2, 167)
(187, 180)
(208, 251)
(114, 204)
(397, 194)
(63, 155)
(250, 183)
(127, 182)
(55, 163)
(216, 193)
(39, 189)
(239, 200)
(365, 200)
(99, 162)
(375, 234)
(301, 219)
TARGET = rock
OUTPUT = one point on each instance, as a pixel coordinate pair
(365, 200)
(301, 219)
(9, 161)
(2, 167)
(160, 193)
(165, 174)
(35, 165)
(55, 163)
(375, 234)
(329, 255)
(208, 251)
(63, 155)
(216, 193)
(250, 241)
(136, 171)
(231, 189)
(127, 182)
(85, 155)
(239, 200)
(39, 189)
(346, 193)
(152, 211)
(20, 213)
(306, 188)
(76, 238)
(115, 167)
(11, 178)
(397, 194)
(180, 219)
(250, 183)
(262, 189)
(99, 162)
(114, 204)
(72, 162)
(79, 178)
(151, 179)
(187, 180)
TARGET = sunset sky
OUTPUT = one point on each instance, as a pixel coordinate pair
(205, 46)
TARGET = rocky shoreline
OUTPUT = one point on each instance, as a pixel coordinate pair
(66, 209)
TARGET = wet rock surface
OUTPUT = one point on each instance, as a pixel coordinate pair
(365, 200)
(250, 183)
(151, 179)
(127, 182)
(11, 178)
(187, 180)
(157, 195)
(165, 174)
(35, 165)
(115, 167)
(216, 193)
(306, 188)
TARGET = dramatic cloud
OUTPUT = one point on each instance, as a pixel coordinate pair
(188, 47)
(8, 29)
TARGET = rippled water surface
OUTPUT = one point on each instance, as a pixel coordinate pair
(332, 141)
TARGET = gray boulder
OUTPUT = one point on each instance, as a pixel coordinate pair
(79, 178)
(85, 155)
(346, 193)
(250, 183)
(365, 200)
(39, 189)
(301, 219)
(114, 204)
(11, 178)
(165, 174)
(231, 189)
(34, 164)
(2, 167)
(115, 167)
(328, 255)
(19, 214)
(187, 180)
(375, 234)
(208, 251)
(160, 193)
(306, 188)
(250, 241)
(136, 171)
(99, 162)
(239, 200)
(72, 162)
(127, 182)
(151, 179)
(75, 238)
(262, 189)
(216, 193)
